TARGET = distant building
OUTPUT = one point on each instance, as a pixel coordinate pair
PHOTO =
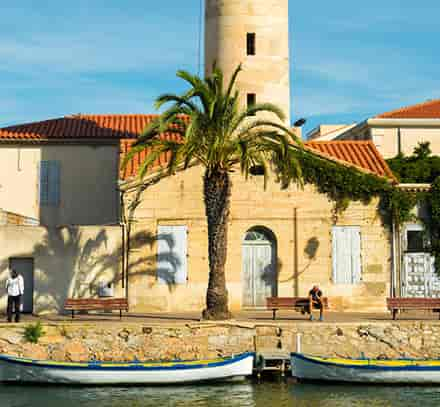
(401, 130)
(326, 132)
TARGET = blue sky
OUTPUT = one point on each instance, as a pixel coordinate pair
(349, 59)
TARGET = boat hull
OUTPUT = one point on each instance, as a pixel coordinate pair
(365, 370)
(101, 373)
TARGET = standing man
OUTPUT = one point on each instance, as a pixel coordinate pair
(316, 302)
(15, 289)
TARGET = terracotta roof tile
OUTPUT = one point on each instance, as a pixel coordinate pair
(363, 154)
(426, 110)
(91, 127)
(126, 128)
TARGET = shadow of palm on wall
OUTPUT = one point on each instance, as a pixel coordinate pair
(72, 262)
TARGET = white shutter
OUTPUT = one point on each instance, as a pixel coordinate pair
(172, 249)
(355, 238)
(346, 254)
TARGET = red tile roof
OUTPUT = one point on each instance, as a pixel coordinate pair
(91, 127)
(127, 128)
(362, 154)
(426, 110)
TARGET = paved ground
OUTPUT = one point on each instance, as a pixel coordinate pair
(283, 317)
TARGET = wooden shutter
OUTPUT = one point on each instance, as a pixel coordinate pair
(172, 249)
(49, 182)
(54, 183)
(346, 254)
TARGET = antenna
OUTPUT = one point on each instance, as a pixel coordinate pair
(199, 40)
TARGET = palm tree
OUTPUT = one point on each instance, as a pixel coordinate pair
(215, 132)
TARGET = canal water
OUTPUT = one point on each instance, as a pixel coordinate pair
(266, 394)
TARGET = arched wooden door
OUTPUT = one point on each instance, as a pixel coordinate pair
(259, 267)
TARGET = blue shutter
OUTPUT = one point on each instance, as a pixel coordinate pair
(54, 183)
(49, 183)
(172, 249)
(44, 182)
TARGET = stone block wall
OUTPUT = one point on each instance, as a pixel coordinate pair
(128, 342)
(301, 220)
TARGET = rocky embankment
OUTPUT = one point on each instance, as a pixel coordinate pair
(126, 342)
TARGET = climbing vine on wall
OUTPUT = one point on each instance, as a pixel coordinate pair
(344, 184)
(434, 222)
(423, 167)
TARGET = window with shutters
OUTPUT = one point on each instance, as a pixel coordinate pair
(346, 254)
(172, 250)
(49, 183)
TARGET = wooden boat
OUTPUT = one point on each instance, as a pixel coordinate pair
(171, 372)
(404, 371)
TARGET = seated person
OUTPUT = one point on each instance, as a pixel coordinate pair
(315, 302)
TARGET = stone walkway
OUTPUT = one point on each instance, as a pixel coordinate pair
(252, 317)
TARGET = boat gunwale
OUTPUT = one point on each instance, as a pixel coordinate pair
(373, 364)
(127, 366)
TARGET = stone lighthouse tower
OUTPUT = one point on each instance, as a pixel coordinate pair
(256, 34)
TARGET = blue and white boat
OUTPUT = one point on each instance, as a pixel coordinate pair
(95, 373)
(403, 371)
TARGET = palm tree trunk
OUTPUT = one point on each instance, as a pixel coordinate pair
(217, 192)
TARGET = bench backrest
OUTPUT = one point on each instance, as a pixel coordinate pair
(413, 302)
(290, 302)
(98, 303)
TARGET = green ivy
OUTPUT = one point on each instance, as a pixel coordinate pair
(434, 224)
(423, 167)
(343, 184)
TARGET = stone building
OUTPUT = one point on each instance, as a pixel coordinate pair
(59, 210)
(280, 241)
(395, 132)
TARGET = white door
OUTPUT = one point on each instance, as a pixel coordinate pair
(172, 250)
(25, 267)
(259, 268)
(346, 254)
(418, 274)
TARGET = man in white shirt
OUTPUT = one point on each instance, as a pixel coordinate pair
(15, 289)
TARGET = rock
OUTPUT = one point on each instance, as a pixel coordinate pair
(51, 339)
(124, 334)
(76, 351)
(12, 338)
(35, 351)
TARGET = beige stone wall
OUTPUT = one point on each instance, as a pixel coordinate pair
(299, 218)
(68, 261)
(88, 183)
(267, 73)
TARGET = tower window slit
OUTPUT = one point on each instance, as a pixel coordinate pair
(250, 43)
(251, 101)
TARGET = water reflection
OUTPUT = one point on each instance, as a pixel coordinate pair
(267, 394)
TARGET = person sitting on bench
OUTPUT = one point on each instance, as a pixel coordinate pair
(315, 302)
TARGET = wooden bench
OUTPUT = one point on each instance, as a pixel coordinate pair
(292, 303)
(402, 303)
(95, 304)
